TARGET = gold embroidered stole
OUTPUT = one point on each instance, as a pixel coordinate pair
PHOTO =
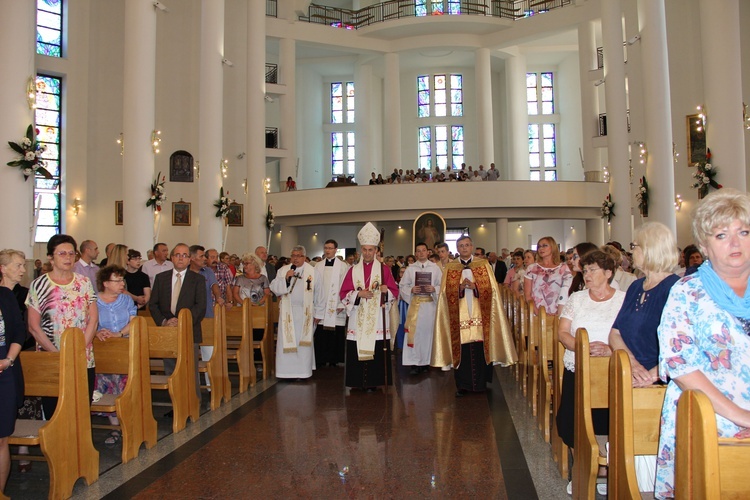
(366, 324)
(289, 336)
(410, 327)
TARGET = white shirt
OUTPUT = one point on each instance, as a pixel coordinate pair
(152, 268)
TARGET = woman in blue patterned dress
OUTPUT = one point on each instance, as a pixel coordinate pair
(703, 335)
(115, 311)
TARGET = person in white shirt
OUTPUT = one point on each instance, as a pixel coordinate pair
(158, 264)
(330, 335)
(85, 265)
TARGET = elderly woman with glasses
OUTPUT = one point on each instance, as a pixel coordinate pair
(251, 284)
(547, 280)
(62, 299)
(704, 340)
(115, 311)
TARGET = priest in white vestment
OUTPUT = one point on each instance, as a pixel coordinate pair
(330, 335)
(299, 288)
(419, 288)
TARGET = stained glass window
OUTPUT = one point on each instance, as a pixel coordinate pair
(441, 145)
(420, 8)
(423, 96)
(342, 138)
(425, 148)
(47, 191)
(49, 24)
(457, 142)
(457, 95)
(542, 134)
(454, 7)
(447, 90)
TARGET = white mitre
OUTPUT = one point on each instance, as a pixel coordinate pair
(369, 235)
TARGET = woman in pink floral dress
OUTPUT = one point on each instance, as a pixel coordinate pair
(547, 280)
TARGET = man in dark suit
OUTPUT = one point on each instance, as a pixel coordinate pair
(191, 294)
(498, 267)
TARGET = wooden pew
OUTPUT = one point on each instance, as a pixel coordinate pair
(239, 343)
(634, 420)
(520, 367)
(524, 320)
(260, 318)
(214, 335)
(128, 356)
(176, 342)
(559, 448)
(65, 439)
(534, 337)
(544, 392)
(591, 391)
(707, 466)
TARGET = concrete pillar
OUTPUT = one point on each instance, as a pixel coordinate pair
(210, 123)
(483, 75)
(288, 107)
(595, 232)
(722, 89)
(392, 113)
(515, 70)
(17, 49)
(617, 126)
(255, 208)
(363, 126)
(139, 100)
(589, 102)
(501, 234)
(658, 112)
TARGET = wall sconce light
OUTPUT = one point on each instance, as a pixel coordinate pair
(642, 152)
(121, 142)
(76, 206)
(227, 62)
(702, 118)
(605, 174)
(677, 202)
(675, 154)
(599, 82)
(399, 227)
(481, 226)
(634, 39)
(314, 235)
(161, 6)
(244, 185)
(224, 168)
(267, 186)
(572, 228)
(155, 140)
(31, 92)
(520, 226)
(241, 156)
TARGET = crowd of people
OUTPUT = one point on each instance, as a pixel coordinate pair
(462, 174)
(682, 317)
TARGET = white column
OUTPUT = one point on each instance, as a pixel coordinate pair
(483, 76)
(392, 113)
(617, 126)
(210, 131)
(595, 232)
(589, 103)
(722, 89)
(288, 105)
(289, 239)
(256, 124)
(501, 234)
(658, 112)
(363, 126)
(17, 49)
(139, 82)
(518, 121)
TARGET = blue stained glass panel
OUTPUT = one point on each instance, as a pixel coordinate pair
(440, 109)
(550, 175)
(420, 9)
(549, 145)
(549, 160)
(50, 5)
(337, 139)
(48, 184)
(47, 101)
(336, 89)
(337, 168)
(549, 130)
(423, 98)
(48, 84)
(546, 79)
(533, 131)
(424, 134)
(48, 35)
(437, 7)
(457, 161)
(457, 109)
(531, 80)
(48, 50)
(533, 145)
(350, 89)
(454, 8)
(423, 83)
(457, 133)
(47, 217)
(458, 149)
(49, 201)
(425, 162)
(424, 149)
(424, 111)
(337, 117)
(337, 153)
(456, 82)
(456, 96)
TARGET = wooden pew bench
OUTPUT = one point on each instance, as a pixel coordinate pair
(707, 466)
(65, 439)
(260, 318)
(176, 342)
(214, 335)
(634, 420)
(128, 356)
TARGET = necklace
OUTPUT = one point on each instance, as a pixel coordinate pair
(600, 298)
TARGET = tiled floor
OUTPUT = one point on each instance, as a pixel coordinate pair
(315, 439)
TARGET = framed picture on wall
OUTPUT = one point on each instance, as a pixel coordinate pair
(429, 228)
(235, 217)
(696, 140)
(180, 213)
(118, 213)
(181, 167)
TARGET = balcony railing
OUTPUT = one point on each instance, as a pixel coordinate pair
(272, 73)
(397, 9)
(272, 138)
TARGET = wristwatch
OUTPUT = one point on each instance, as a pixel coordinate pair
(11, 361)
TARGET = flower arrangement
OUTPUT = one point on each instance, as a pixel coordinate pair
(158, 197)
(642, 197)
(269, 218)
(222, 204)
(704, 176)
(608, 208)
(31, 152)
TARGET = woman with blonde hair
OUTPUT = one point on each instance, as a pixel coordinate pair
(547, 280)
(251, 283)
